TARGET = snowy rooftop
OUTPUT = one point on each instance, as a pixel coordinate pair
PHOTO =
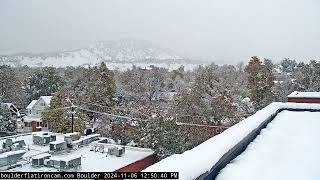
(200, 160)
(297, 94)
(47, 99)
(90, 160)
(288, 148)
(30, 106)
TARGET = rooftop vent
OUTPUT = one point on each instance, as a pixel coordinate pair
(9, 158)
(65, 163)
(57, 147)
(43, 138)
(117, 151)
(38, 160)
(10, 145)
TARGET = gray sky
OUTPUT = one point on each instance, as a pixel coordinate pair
(230, 30)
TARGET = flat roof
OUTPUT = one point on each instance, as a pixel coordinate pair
(297, 94)
(208, 156)
(90, 161)
(288, 148)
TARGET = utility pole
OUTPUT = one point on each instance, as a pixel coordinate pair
(72, 117)
(72, 112)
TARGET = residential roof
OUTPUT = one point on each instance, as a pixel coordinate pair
(91, 161)
(9, 105)
(31, 118)
(47, 99)
(33, 102)
(297, 94)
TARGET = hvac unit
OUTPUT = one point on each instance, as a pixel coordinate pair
(43, 139)
(38, 160)
(101, 148)
(117, 151)
(11, 157)
(57, 147)
(66, 163)
(48, 163)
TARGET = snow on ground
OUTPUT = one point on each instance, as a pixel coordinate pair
(287, 149)
(191, 164)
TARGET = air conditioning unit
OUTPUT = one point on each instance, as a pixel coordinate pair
(43, 138)
(117, 151)
(38, 160)
(57, 147)
(101, 148)
(48, 162)
(66, 162)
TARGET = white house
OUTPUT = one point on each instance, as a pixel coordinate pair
(33, 120)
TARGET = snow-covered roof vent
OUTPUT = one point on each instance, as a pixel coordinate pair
(304, 97)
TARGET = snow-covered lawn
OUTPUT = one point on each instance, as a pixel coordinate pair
(288, 148)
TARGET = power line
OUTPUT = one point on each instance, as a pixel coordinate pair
(201, 125)
(112, 115)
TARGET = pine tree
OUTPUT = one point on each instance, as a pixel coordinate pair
(10, 86)
(98, 87)
(43, 82)
(58, 115)
(7, 124)
(260, 82)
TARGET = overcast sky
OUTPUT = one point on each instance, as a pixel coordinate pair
(230, 30)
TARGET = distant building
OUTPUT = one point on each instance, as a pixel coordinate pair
(12, 108)
(15, 114)
(304, 97)
(33, 122)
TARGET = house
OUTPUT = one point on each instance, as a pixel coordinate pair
(15, 114)
(12, 108)
(33, 122)
(304, 97)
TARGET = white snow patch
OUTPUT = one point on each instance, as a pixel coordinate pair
(297, 94)
(288, 148)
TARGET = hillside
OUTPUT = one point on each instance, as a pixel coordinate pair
(117, 54)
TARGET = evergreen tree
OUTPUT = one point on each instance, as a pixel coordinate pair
(260, 82)
(59, 115)
(98, 86)
(43, 82)
(7, 124)
(10, 86)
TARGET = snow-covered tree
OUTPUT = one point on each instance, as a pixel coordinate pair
(59, 115)
(7, 124)
(98, 87)
(288, 65)
(10, 86)
(43, 82)
(260, 82)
